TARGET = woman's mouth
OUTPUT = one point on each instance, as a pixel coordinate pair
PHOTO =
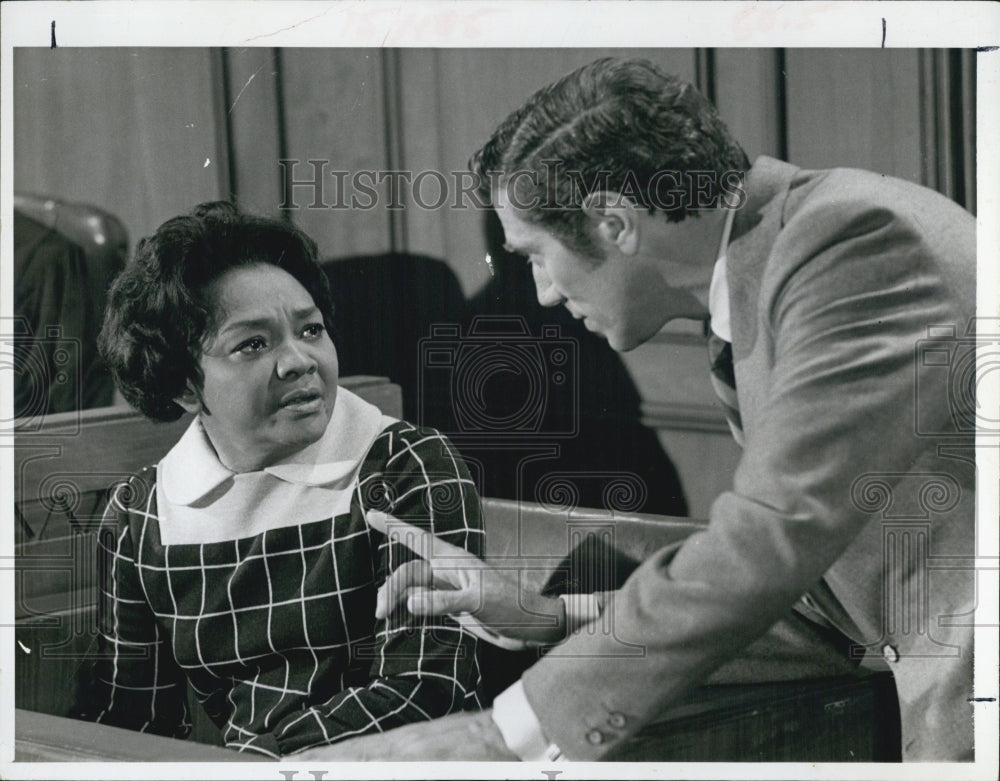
(301, 401)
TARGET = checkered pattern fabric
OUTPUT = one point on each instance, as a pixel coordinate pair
(276, 632)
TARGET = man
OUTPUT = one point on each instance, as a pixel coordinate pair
(617, 184)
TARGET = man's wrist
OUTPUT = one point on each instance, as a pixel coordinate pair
(580, 610)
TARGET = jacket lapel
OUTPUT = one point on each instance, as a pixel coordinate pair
(755, 230)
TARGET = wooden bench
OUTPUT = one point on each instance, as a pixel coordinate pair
(64, 468)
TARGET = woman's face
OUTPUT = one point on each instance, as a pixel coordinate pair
(270, 369)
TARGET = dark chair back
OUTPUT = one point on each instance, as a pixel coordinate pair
(385, 305)
(65, 257)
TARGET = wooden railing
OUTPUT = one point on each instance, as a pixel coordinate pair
(41, 737)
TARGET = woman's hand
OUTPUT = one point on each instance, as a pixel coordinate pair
(448, 580)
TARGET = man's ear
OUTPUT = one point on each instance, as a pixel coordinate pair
(614, 218)
(190, 400)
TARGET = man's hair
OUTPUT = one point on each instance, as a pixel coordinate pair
(159, 309)
(620, 125)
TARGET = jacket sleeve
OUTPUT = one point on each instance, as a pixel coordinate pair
(842, 318)
(134, 681)
(415, 669)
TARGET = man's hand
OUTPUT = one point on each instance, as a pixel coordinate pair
(449, 580)
(460, 736)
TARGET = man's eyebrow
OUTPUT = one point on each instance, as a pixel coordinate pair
(513, 250)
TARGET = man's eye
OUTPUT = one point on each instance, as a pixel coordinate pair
(313, 330)
(251, 346)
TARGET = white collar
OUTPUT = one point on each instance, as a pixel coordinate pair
(192, 469)
(718, 290)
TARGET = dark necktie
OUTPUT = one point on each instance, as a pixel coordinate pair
(720, 353)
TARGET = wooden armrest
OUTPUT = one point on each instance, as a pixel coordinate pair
(39, 737)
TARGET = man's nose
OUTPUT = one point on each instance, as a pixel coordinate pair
(294, 360)
(547, 294)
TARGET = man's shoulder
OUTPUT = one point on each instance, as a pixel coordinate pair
(837, 193)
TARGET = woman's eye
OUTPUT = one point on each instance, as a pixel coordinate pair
(251, 346)
(313, 330)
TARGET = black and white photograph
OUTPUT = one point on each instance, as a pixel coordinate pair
(499, 390)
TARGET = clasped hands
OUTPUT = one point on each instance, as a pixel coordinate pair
(490, 602)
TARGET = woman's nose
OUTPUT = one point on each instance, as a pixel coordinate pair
(294, 360)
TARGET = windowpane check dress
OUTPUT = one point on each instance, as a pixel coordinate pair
(259, 590)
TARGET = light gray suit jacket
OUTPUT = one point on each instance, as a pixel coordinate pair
(857, 477)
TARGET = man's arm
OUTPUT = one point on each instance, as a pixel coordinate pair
(841, 321)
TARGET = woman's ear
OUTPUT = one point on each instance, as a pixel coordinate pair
(614, 218)
(189, 400)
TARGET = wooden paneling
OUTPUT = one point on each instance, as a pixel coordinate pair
(854, 107)
(333, 101)
(253, 115)
(133, 131)
(671, 375)
(746, 94)
(948, 123)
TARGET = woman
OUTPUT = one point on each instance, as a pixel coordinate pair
(242, 563)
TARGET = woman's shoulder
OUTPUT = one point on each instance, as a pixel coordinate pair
(135, 492)
(400, 436)
(402, 446)
(131, 503)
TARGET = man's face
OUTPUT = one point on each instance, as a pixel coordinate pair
(621, 297)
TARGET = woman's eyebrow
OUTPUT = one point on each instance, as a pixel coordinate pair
(264, 321)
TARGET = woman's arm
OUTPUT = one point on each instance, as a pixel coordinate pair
(415, 668)
(134, 681)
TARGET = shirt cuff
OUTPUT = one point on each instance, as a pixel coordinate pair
(521, 729)
(581, 609)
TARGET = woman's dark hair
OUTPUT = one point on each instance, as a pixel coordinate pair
(620, 125)
(159, 310)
